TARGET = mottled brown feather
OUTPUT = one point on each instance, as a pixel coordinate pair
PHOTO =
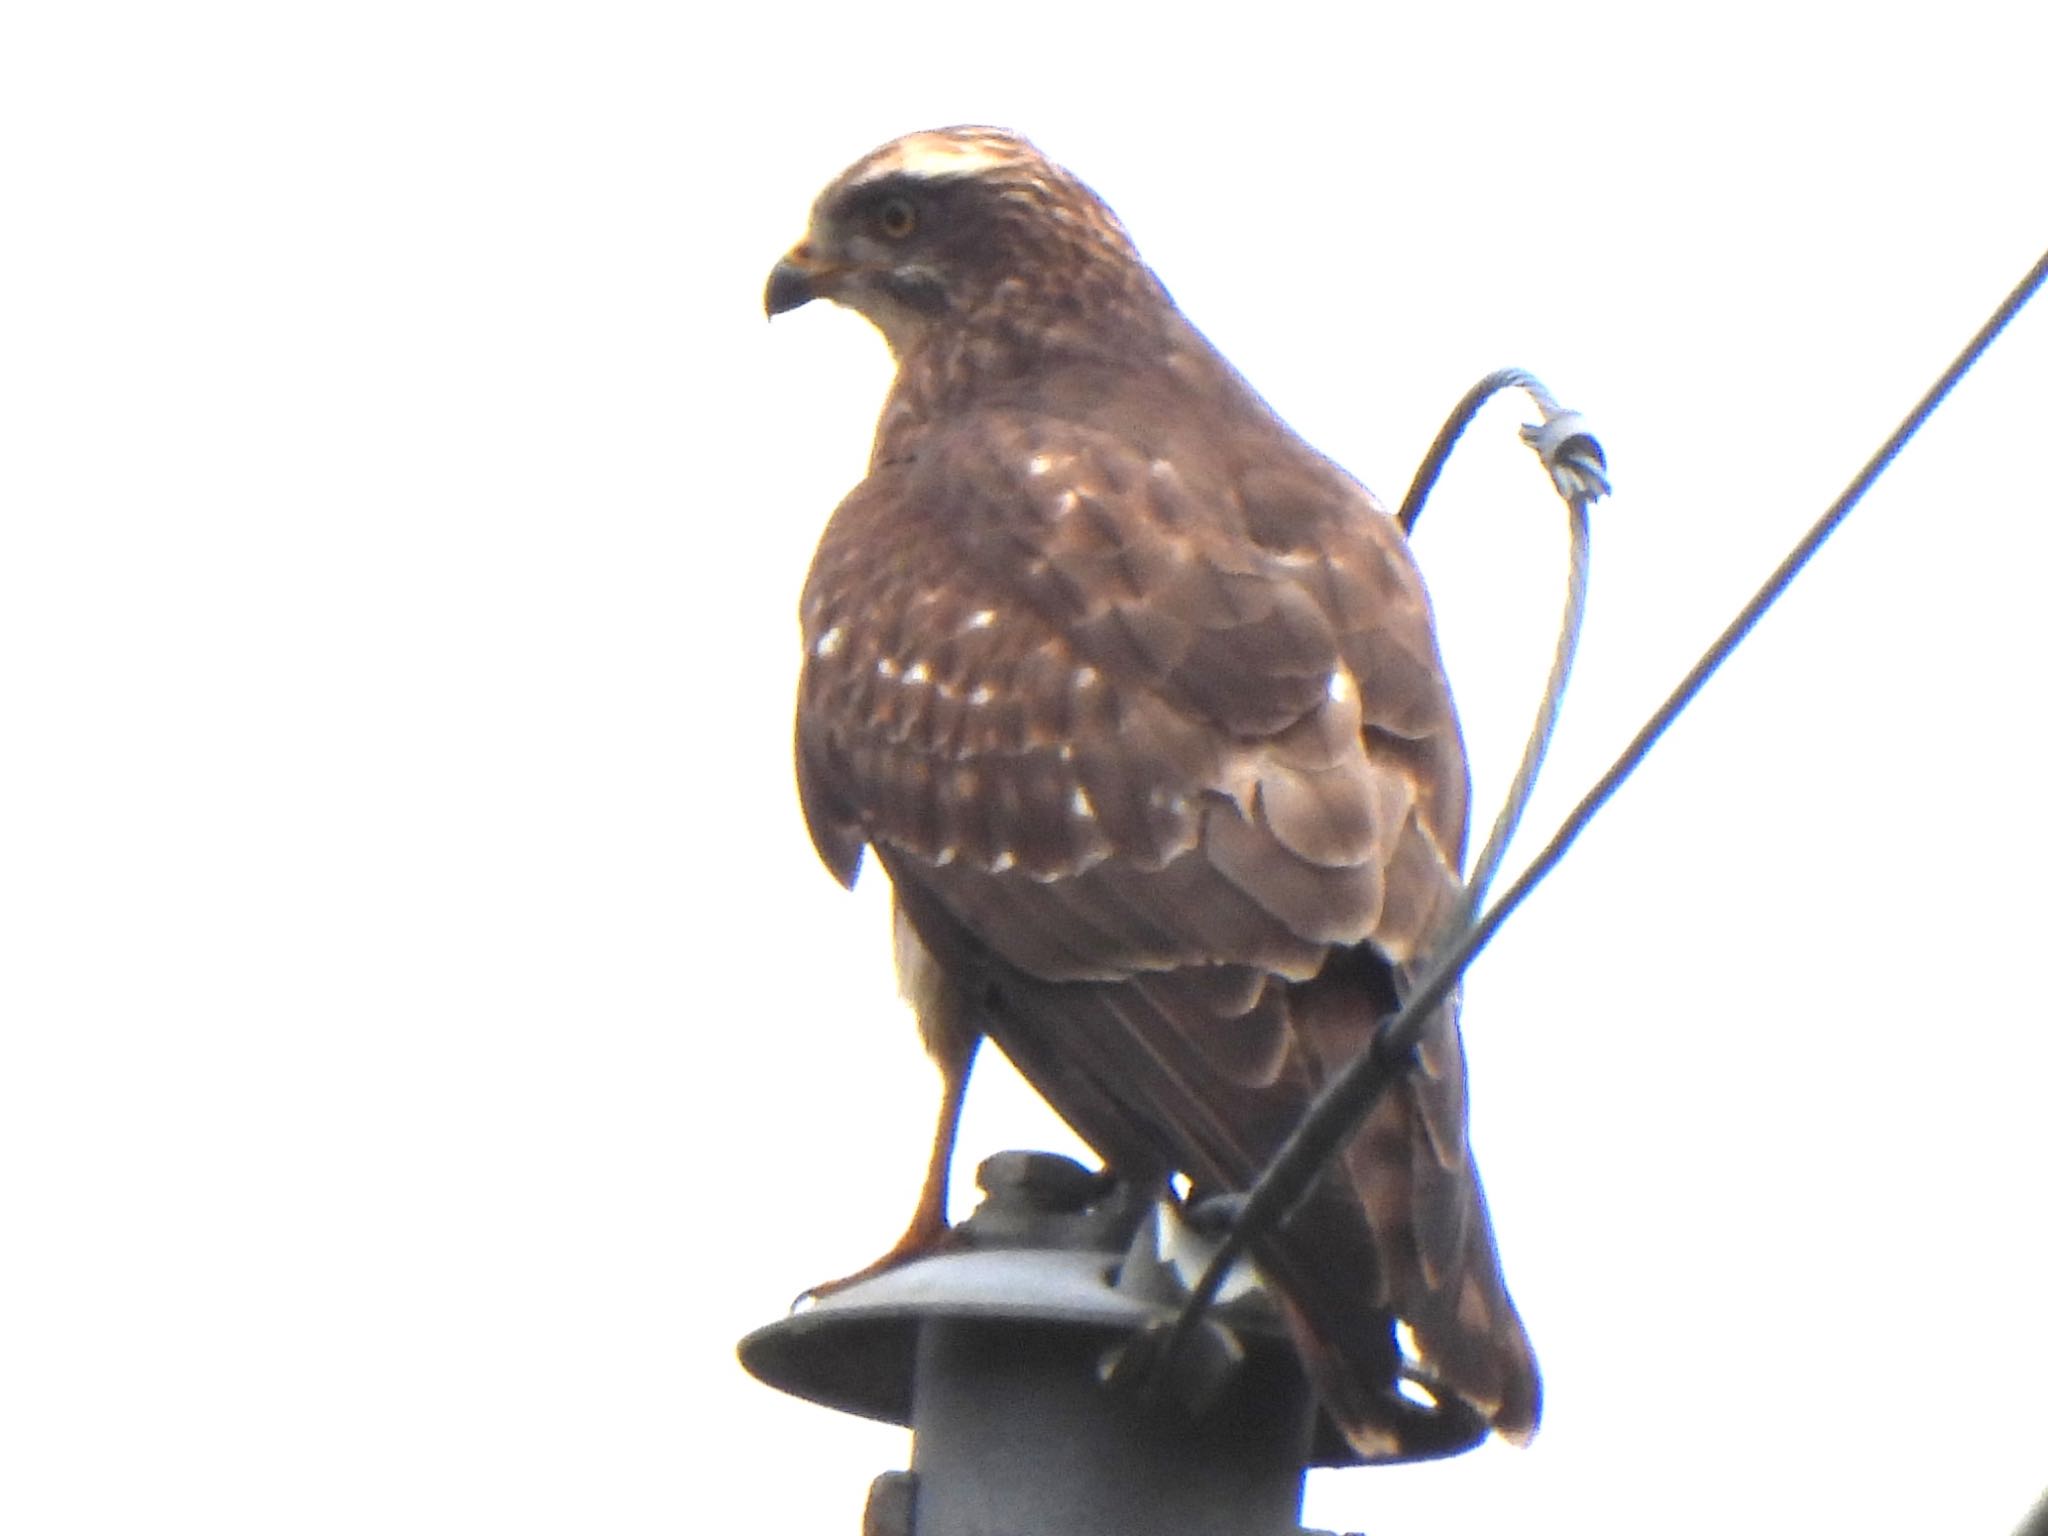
(1136, 697)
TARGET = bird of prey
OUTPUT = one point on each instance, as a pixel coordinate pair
(1136, 698)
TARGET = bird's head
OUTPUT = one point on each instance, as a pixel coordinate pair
(958, 230)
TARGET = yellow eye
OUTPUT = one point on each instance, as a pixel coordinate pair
(897, 218)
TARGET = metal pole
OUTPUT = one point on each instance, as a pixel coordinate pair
(1013, 1431)
(993, 1355)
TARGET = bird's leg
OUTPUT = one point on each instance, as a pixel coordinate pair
(953, 1053)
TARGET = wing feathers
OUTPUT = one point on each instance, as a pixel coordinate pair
(1175, 774)
(1321, 903)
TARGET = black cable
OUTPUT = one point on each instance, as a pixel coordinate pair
(1454, 426)
(1333, 1117)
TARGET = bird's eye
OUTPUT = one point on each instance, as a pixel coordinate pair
(897, 218)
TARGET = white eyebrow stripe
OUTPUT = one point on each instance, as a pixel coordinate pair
(932, 156)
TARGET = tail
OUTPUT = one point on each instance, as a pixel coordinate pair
(1397, 1233)
(1407, 1371)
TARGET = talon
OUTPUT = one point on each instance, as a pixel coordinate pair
(1214, 1215)
(1191, 1374)
(917, 1243)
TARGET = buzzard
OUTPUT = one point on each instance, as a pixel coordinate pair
(1135, 697)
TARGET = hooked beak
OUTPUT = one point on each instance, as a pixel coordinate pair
(797, 279)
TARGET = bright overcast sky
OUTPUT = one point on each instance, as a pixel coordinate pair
(427, 1039)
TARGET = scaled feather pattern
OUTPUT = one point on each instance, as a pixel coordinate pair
(1135, 697)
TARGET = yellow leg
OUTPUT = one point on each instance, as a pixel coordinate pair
(927, 1232)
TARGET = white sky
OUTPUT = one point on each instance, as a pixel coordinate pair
(427, 1041)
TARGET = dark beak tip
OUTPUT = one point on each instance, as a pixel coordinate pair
(789, 287)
